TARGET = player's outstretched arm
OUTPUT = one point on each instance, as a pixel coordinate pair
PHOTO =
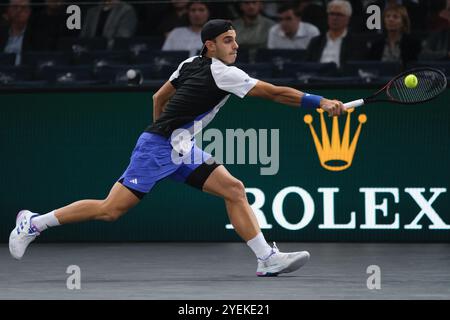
(295, 98)
(161, 97)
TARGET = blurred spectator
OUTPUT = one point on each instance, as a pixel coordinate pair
(337, 44)
(314, 12)
(175, 17)
(437, 44)
(49, 25)
(396, 43)
(111, 19)
(252, 28)
(189, 38)
(270, 10)
(16, 37)
(291, 32)
(436, 47)
(416, 12)
(439, 16)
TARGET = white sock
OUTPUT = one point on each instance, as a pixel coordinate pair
(45, 221)
(259, 246)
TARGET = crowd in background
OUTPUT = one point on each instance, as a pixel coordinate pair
(329, 31)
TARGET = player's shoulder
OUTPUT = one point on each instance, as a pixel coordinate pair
(188, 60)
(218, 67)
(224, 75)
(182, 66)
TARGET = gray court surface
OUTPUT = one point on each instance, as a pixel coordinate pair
(224, 271)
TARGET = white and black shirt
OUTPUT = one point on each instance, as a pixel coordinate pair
(203, 85)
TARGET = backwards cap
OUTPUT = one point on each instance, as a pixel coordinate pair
(212, 29)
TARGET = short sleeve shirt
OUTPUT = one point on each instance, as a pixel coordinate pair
(203, 85)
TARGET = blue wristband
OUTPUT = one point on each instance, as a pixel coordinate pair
(310, 101)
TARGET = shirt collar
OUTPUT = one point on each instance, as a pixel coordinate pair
(339, 38)
(301, 31)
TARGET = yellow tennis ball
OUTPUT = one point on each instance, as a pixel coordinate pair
(411, 81)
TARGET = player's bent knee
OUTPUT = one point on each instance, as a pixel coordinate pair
(235, 191)
(112, 216)
(112, 213)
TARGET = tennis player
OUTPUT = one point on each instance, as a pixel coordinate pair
(194, 94)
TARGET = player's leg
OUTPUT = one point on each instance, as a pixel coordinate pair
(208, 176)
(117, 203)
(150, 162)
(199, 170)
(221, 183)
(271, 261)
(232, 190)
(203, 173)
(119, 200)
(29, 225)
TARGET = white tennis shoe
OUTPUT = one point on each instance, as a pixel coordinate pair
(23, 234)
(281, 262)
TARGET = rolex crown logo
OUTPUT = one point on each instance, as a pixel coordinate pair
(336, 155)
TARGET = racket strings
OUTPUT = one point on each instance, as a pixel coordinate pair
(430, 84)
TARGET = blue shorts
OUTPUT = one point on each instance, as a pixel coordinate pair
(154, 159)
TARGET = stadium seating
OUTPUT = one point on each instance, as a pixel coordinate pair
(138, 44)
(11, 74)
(277, 56)
(117, 74)
(444, 66)
(303, 71)
(7, 59)
(160, 58)
(65, 74)
(101, 57)
(372, 71)
(257, 70)
(82, 44)
(44, 59)
(87, 61)
(243, 56)
(335, 81)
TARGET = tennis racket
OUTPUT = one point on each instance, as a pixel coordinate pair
(431, 83)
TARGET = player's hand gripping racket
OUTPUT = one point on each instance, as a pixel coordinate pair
(431, 82)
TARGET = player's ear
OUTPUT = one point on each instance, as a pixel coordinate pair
(210, 45)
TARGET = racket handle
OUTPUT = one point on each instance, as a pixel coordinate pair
(354, 104)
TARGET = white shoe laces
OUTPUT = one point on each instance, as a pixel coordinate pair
(274, 247)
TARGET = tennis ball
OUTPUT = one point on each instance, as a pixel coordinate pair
(131, 74)
(411, 81)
